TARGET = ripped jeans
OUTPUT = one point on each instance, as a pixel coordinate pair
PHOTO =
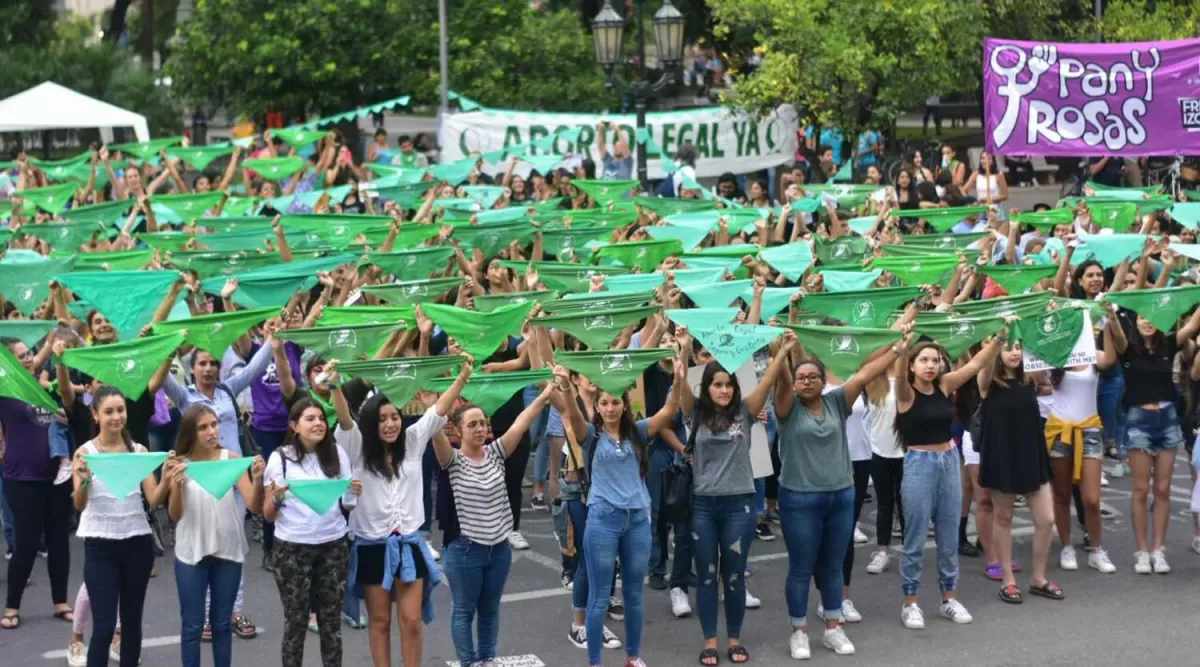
(723, 528)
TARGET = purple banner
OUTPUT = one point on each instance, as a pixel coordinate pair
(1131, 99)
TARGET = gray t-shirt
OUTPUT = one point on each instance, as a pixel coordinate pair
(813, 451)
(721, 461)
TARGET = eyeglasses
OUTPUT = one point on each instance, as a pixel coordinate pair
(808, 379)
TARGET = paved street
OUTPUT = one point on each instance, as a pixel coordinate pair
(1119, 619)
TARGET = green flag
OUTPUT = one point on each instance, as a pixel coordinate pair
(1021, 305)
(702, 276)
(732, 345)
(918, 270)
(415, 264)
(484, 195)
(128, 366)
(717, 295)
(414, 292)
(633, 283)
(319, 494)
(337, 230)
(260, 291)
(146, 150)
(298, 137)
(348, 316)
(16, 382)
(400, 379)
(490, 391)
(645, 254)
(189, 206)
(275, 169)
(109, 213)
(26, 331)
(614, 371)
(56, 170)
(597, 330)
(1046, 219)
(199, 157)
(957, 334)
(341, 343)
(164, 241)
(866, 308)
(218, 477)
(1116, 216)
(942, 219)
(127, 298)
(565, 276)
(689, 237)
(945, 241)
(53, 198)
(480, 334)
(489, 302)
(700, 317)
(562, 241)
(840, 250)
(843, 349)
(1052, 335)
(123, 473)
(605, 191)
(1187, 214)
(774, 299)
(454, 173)
(214, 264)
(490, 239)
(1016, 279)
(215, 333)
(579, 303)
(64, 237)
(791, 259)
(1163, 307)
(1112, 249)
(668, 206)
(720, 265)
(125, 260)
(845, 174)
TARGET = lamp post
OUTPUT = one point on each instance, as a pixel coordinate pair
(608, 32)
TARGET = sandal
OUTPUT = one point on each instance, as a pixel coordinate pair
(995, 572)
(314, 628)
(65, 615)
(738, 654)
(1011, 594)
(242, 627)
(356, 623)
(1049, 590)
(206, 633)
(712, 655)
(10, 621)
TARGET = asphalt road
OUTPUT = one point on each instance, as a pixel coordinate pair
(1118, 619)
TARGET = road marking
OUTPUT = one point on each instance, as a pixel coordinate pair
(509, 661)
(535, 557)
(151, 642)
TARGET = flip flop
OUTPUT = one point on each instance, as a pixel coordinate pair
(710, 654)
(10, 622)
(736, 652)
(65, 615)
(1048, 590)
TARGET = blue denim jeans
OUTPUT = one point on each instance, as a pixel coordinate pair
(581, 590)
(537, 437)
(817, 529)
(724, 529)
(477, 573)
(613, 533)
(931, 490)
(1153, 431)
(661, 458)
(1112, 414)
(193, 583)
(60, 441)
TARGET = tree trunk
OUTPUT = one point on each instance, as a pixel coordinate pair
(116, 24)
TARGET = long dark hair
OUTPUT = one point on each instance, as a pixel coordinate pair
(185, 442)
(626, 430)
(375, 450)
(712, 415)
(109, 391)
(1076, 289)
(325, 450)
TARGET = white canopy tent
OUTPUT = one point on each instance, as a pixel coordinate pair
(49, 106)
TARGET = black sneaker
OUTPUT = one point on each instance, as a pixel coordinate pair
(578, 636)
(763, 532)
(616, 610)
(568, 581)
(1087, 542)
(967, 549)
(538, 503)
(658, 582)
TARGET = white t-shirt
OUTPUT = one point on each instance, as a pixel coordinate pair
(297, 522)
(1074, 400)
(881, 425)
(107, 516)
(210, 527)
(856, 428)
(396, 504)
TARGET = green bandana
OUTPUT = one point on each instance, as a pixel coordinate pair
(1050, 336)
(123, 473)
(126, 260)
(415, 264)
(717, 295)
(645, 254)
(26, 331)
(56, 169)
(1101, 189)
(16, 382)
(957, 334)
(199, 157)
(843, 350)
(248, 240)
(340, 343)
(498, 215)
(605, 191)
(490, 302)
(942, 219)
(1017, 279)
(1117, 217)
(732, 345)
(400, 379)
(576, 304)
(1021, 305)
(701, 317)
(236, 223)
(484, 195)
(454, 173)
(146, 150)
(480, 334)
(128, 366)
(1186, 214)
(349, 316)
(64, 237)
(1046, 219)
(559, 242)
(53, 198)
(945, 241)
(127, 298)
(791, 259)
(866, 308)
(613, 371)
(111, 213)
(339, 231)
(718, 265)
(275, 169)
(702, 276)
(298, 137)
(634, 283)
(414, 292)
(260, 291)
(597, 329)
(689, 237)
(319, 494)
(1163, 307)
(863, 225)
(218, 477)
(188, 207)
(413, 235)
(917, 270)
(240, 206)
(490, 239)
(669, 206)
(490, 391)
(774, 299)
(208, 264)
(215, 333)
(566, 277)
(840, 250)
(1112, 249)
(906, 250)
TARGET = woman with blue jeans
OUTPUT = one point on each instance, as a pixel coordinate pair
(816, 490)
(618, 523)
(932, 486)
(723, 515)
(210, 541)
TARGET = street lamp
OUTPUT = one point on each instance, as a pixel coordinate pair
(608, 32)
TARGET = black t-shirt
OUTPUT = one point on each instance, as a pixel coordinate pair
(1148, 375)
(1110, 174)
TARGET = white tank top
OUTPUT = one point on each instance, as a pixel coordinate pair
(881, 425)
(1074, 399)
(107, 516)
(210, 527)
(985, 186)
(856, 429)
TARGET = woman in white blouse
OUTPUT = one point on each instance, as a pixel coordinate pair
(390, 557)
(210, 539)
(310, 548)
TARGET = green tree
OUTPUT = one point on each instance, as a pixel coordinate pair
(1148, 20)
(26, 22)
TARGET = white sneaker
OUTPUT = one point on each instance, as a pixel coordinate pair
(837, 641)
(77, 654)
(879, 562)
(65, 472)
(1159, 562)
(1098, 560)
(517, 541)
(1141, 563)
(432, 551)
(680, 607)
(850, 613)
(611, 640)
(1118, 471)
(955, 611)
(913, 617)
(859, 538)
(799, 645)
(1196, 544)
(751, 601)
(1067, 560)
(1103, 479)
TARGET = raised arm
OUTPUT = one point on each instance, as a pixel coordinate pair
(661, 420)
(757, 399)
(239, 381)
(512, 437)
(445, 402)
(876, 366)
(564, 401)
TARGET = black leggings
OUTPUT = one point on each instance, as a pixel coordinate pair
(514, 475)
(862, 476)
(39, 509)
(888, 475)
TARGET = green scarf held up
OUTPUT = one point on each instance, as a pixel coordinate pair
(65, 237)
(943, 219)
(340, 343)
(489, 302)
(732, 345)
(791, 259)
(52, 198)
(1051, 336)
(189, 206)
(218, 477)
(566, 277)
(339, 231)
(255, 290)
(644, 254)
(109, 213)
(1116, 216)
(26, 331)
(348, 316)
(454, 173)
(492, 238)
(480, 334)
(841, 250)
(1162, 307)
(298, 137)
(668, 206)
(866, 308)
(27, 286)
(414, 292)
(128, 366)
(577, 304)
(17, 383)
(1112, 249)
(719, 265)
(633, 283)
(689, 237)
(490, 391)
(215, 333)
(843, 350)
(59, 170)
(561, 241)
(1016, 279)
(1021, 305)
(613, 371)
(597, 329)
(945, 241)
(957, 334)
(208, 264)
(605, 191)
(275, 169)
(484, 195)
(123, 472)
(774, 299)
(127, 298)
(415, 264)
(1046, 219)
(701, 317)
(1186, 214)
(145, 150)
(320, 495)
(199, 157)
(915, 271)
(401, 378)
(717, 295)
(125, 260)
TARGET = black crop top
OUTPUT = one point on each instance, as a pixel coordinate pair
(928, 421)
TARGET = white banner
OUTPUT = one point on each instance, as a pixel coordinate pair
(725, 140)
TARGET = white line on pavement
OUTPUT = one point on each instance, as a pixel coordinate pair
(149, 642)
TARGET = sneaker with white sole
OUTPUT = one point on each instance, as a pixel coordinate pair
(1098, 560)
(1196, 544)
(680, 607)
(850, 612)
(1067, 559)
(955, 611)
(837, 641)
(616, 608)
(879, 562)
(859, 538)
(798, 645)
(913, 617)
(517, 541)
(77, 654)
(578, 636)
(1103, 479)
(1158, 561)
(751, 601)
(611, 640)
(1141, 563)
(1118, 471)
